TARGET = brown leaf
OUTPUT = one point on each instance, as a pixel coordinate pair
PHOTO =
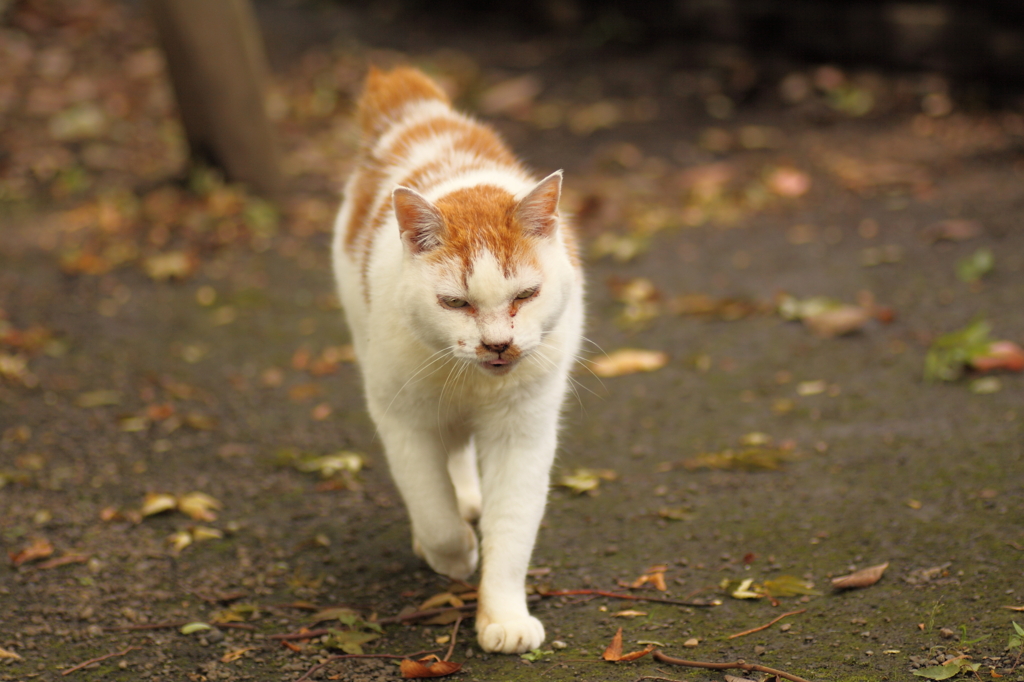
(156, 503)
(40, 548)
(170, 265)
(953, 229)
(628, 361)
(789, 182)
(443, 599)
(837, 321)
(4, 653)
(513, 96)
(1000, 355)
(862, 578)
(614, 650)
(414, 670)
(63, 561)
(637, 654)
(232, 656)
(199, 506)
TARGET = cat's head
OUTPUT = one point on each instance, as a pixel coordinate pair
(488, 274)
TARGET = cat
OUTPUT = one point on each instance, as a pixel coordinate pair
(463, 292)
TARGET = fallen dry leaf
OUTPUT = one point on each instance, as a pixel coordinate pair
(614, 651)
(789, 182)
(443, 599)
(585, 480)
(1000, 355)
(629, 613)
(63, 561)
(414, 670)
(747, 459)
(199, 506)
(953, 229)
(232, 656)
(655, 575)
(171, 265)
(628, 361)
(40, 548)
(157, 503)
(839, 321)
(513, 96)
(4, 653)
(862, 578)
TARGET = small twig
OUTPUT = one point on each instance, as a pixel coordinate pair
(617, 595)
(341, 657)
(662, 679)
(148, 626)
(455, 633)
(98, 659)
(740, 665)
(178, 624)
(767, 625)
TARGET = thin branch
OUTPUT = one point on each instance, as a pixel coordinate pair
(342, 657)
(737, 665)
(455, 633)
(178, 624)
(632, 597)
(767, 625)
(148, 626)
(98, 659)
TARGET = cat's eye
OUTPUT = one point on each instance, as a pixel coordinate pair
(526, 293)
(454, 302)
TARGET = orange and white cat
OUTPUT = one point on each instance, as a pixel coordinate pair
(464, 295)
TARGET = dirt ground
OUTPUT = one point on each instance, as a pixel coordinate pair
(706, 183)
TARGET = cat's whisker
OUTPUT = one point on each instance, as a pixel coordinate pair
(576, 359)
(424, 365)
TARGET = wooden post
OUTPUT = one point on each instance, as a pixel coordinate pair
(218, 69)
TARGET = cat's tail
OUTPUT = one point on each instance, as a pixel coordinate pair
(386, 93)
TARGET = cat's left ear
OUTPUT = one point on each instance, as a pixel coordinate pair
(538, 211)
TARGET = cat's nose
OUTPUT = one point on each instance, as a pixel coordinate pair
(499, 347)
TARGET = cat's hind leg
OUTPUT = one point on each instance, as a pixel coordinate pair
(462, 467)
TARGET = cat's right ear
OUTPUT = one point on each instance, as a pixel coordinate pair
(419, 221)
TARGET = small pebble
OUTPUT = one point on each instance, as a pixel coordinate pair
(692, 642)
(946, 633)
(758, 650)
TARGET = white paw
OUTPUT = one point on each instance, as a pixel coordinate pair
(513, 636)
(456, 560)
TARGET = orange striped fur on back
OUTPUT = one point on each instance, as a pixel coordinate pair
(399, 120)
(387, 92)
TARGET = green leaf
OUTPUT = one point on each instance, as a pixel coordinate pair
(1019, 629)
(972, 268)
(536, 655)
(950, 353)
(194, 627)
(789, 586)
(349, 641)
(939, 672)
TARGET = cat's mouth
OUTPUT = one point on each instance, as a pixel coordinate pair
(498, 366)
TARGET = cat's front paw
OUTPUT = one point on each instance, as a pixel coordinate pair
(512, 636)
(457, 559)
